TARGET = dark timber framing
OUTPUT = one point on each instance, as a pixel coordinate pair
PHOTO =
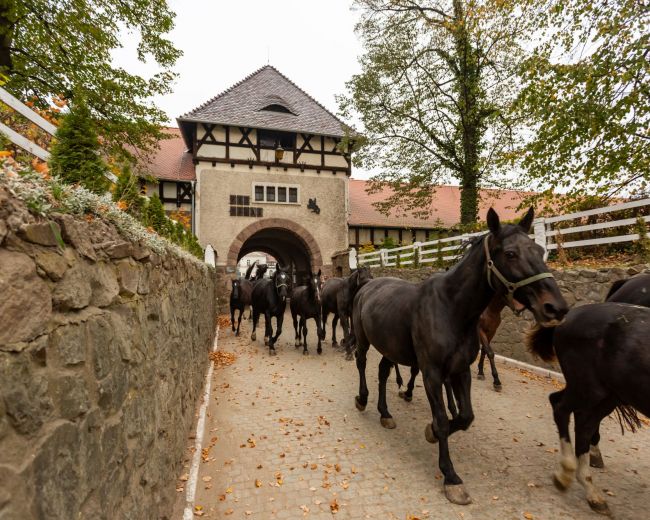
(246, 142)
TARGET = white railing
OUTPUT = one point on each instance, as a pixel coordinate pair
(545, 233)
(22, 141)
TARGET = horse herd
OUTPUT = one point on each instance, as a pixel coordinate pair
(437, 327)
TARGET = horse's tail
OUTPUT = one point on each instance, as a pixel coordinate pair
(250, 270)
(615, 287)
(628, 418)
(539, 341)
(398, 377)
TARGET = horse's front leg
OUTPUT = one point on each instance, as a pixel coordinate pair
(319, 332)
(386, 420)
(294, 317)
(268, 332)
(256, 317)
(451, 401)
(335, 320)
(232, 317)
(241, 312)
(595, 457)
(438, 431)
(361, 400)
(408, 394)
(278, 330)
(303, 330)
(461, 384)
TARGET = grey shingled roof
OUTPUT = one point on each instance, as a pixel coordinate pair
(242, 104)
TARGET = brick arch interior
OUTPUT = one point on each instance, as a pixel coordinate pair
(284, 239)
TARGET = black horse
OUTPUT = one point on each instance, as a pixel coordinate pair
(240, 296)
(635, 291)
(434, 325)
(604, 352)
(338, 295)
(270, 298)
(306, 303)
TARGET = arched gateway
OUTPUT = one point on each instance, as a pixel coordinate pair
(290, 243)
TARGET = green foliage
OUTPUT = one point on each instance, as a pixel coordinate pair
(155, 216)
(59, 47)
(586, 88)
(388, 243)
(367, 248)
(642, 245)
(434, 96)
(75, 154)
(126, 192)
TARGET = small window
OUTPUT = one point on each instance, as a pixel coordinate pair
(259, 193)
(233, 199)
(270, 194)
(282, 194)
(293, 194)
(275, 107)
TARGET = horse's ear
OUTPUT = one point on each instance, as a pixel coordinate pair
(527, 220)
(493, 222)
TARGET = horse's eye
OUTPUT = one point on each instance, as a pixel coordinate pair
(510, 255)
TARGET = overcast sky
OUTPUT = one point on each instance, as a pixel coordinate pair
(311, 42)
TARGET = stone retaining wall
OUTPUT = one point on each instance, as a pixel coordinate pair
(579, 287)
(103, 351)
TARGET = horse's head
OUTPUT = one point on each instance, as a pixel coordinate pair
(282, 283)
(516, 269)
(316, 285)
(359, 277)
(236, 288)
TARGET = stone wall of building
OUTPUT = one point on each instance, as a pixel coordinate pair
(578, 286)
(103, 350)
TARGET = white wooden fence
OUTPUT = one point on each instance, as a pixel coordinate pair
(545, 233)
(22, 141)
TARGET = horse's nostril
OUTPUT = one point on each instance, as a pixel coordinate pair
(554, 310)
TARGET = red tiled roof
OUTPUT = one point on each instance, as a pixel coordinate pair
(171, 161)
(445, 207)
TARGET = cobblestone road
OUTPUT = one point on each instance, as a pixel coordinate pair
(284, 440)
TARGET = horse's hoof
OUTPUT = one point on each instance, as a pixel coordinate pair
(560, 481)
(348, 356)
(429, 435)
(253, 337)
(497, 388)
(388, 423)
(266, 342)
(596, 458)
(457, 494)
(320, 351)
(480, 376)
(357, 403)
(272, 352)
(335, 344)
(305, 352)
(405, 396)
(600, 506)
(237, 333)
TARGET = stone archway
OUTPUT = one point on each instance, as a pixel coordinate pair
(286, 240)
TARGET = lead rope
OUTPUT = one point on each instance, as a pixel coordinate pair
(511, 287)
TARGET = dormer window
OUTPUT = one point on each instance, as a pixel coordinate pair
(275, 107)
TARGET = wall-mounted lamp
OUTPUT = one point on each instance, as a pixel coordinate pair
(279, 153)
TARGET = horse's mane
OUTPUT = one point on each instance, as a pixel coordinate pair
(250, 270)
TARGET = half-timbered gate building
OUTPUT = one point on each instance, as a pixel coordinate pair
(269, 171)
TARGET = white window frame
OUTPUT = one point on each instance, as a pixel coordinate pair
(275, 185)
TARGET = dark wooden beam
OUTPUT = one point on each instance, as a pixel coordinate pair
(250, 163)
(356, 235)
(227, 142)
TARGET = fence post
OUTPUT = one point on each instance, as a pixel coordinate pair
(382, 257)
(352, 258)
(539, 230)
(417, 251)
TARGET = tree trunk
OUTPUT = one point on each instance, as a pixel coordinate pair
(471, 125)
(7, 23)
